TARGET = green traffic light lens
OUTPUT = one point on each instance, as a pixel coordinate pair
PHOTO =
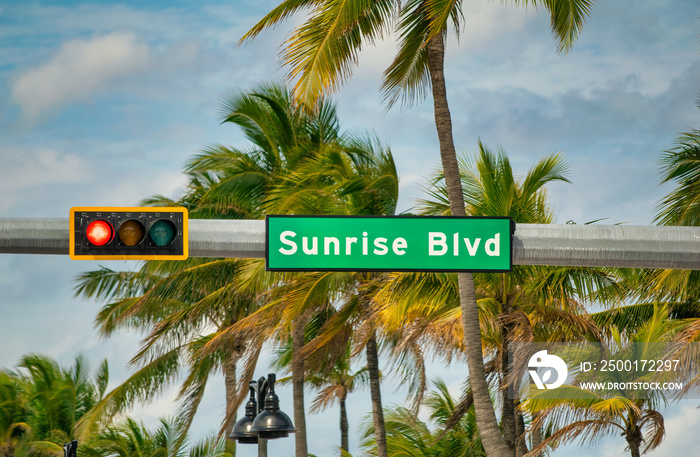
(131, 232)
(162, 233)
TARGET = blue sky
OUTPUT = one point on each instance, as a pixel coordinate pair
(102, 103)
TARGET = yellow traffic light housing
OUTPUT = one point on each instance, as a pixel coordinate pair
(128, 233)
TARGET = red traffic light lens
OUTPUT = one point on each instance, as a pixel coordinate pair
(99, 232)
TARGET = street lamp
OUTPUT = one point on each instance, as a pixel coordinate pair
(262, 423)
(70, 449)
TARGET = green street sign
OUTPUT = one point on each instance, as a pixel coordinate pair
(388, 243)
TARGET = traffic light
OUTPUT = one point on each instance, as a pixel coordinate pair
(145, 233)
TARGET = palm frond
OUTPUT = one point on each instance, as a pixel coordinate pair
(141, 386)
(407, 79)
(107, 284)
(566, 20)
(655, 435)
(323, 50)
(281, 12)
(682, 166)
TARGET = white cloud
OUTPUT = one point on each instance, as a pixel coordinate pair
(47, 182)
(489, 22)
(77, 71)
(131, 188)
(25, 169)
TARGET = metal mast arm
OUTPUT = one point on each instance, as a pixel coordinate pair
(533, 244)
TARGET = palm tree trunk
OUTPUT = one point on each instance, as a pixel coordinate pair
(535, 432)
(300, 445)
(634, 441)
(485, 414)
(507, 404)
(344, 441)
(377, 411)
(634, 448)
(231, 391)
(520, 444)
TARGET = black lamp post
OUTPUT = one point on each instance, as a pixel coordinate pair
(262, 423)
(70, 449)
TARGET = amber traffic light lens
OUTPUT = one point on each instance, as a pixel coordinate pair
(162, 233)
(131, 233)
(99, 232)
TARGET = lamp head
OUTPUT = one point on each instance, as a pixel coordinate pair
(272, 423)
(242, 430)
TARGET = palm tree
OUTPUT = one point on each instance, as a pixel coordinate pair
(408, 436)
(43, 402)
(527, 304)
(131, 438)
(14, 414)
(61, 397)
(182, 305)
(349, 174)
(366, 185)
(321, 173)
(298, 163)
(461, 439)
(591, 417)
(353, 293)
(175, 301)
(332, 377)
(680, 165)
(336, 387)
(682, 308)
(321, 54)
(586, 415)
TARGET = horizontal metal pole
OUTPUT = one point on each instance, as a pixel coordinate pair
(227, 238)
(34, 236)
(623, 246)
(207, 238)
(533, 244)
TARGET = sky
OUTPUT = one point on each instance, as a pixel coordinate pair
(102, 104)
